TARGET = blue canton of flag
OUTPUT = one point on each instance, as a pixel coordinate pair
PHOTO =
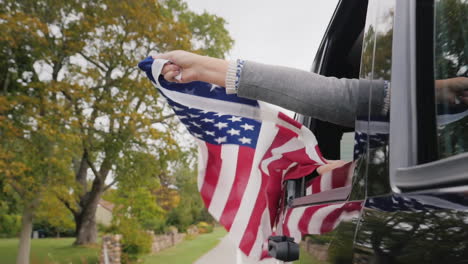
(217, 128)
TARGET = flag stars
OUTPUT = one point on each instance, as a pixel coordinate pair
(213, 87)
(221, 125)
(178, 108)
(233, 132)
(193, 116)
(219, 114)
(235, 119)
(247, 127)
(245, 140)
(220, 140)
(195, 124)
(207, 120)
(210, 133)
(189, 91)
(198, 135)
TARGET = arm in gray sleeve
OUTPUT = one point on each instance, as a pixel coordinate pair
(325, 98)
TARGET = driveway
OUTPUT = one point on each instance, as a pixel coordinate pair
(226, 253)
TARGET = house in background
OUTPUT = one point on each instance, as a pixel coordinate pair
(104, 212)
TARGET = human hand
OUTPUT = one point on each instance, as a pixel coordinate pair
(452, 90)
(180, 61)
(331, 165)
(193, 67)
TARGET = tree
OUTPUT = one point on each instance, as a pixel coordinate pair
(73, 104)
(191, 209)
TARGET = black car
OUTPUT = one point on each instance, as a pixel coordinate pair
(403, 196)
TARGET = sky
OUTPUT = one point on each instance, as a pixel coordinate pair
(275, 32)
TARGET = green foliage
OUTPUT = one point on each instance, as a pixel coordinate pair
(135, 241)
(451, 38)
(10, 217)
(203, 28)
(10, 224)
(53, 217)
(191, 210)
(72, 99)
(204, 227)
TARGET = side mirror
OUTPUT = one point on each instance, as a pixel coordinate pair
(283, 248)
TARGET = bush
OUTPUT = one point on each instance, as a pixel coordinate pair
(10, 225)
(204, 227)
(135, 241)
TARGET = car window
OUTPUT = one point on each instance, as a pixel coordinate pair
(347, 146)
(378, 130)
(451, 61)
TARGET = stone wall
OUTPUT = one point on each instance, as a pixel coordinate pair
(110, 249)
(171, 239)
(192, 230)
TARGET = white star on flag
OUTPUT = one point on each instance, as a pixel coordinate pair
(221, 125)
(213, 87)
(247, 127)
(221, 140)
(211, 133)
(207, 120)
(233, 132)
(235, 119)
(245, 140)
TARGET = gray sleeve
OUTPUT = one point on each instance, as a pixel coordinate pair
(325, 98)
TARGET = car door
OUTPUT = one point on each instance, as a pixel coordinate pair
(417, 204)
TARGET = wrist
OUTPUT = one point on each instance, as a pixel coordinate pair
(213, 70)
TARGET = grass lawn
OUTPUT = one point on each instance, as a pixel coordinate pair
(189, 250)
(48, 251)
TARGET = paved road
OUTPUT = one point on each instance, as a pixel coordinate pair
(226, 253)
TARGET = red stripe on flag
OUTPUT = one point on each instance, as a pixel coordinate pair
(304, 167)
(212, 173)
(250, 233)
(328, 222)
(317, 149)
(244, 166)
(275, 184)
(340, 176)
(316, 184)
(289, 120)
(269, 193)
(304, 221)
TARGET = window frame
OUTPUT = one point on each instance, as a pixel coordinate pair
(414, 164)
(320, 65)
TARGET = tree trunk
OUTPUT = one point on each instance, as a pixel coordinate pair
(25, 235)
(85, 220)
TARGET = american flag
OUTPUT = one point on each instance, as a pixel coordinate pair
(337, 178)
(318, 219)
(246, 151)
(321, 218)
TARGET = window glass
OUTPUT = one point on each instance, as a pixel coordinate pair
(346, 146)
(451, 72)
(378, 126)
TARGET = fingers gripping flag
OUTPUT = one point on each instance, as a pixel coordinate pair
(246, 151)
